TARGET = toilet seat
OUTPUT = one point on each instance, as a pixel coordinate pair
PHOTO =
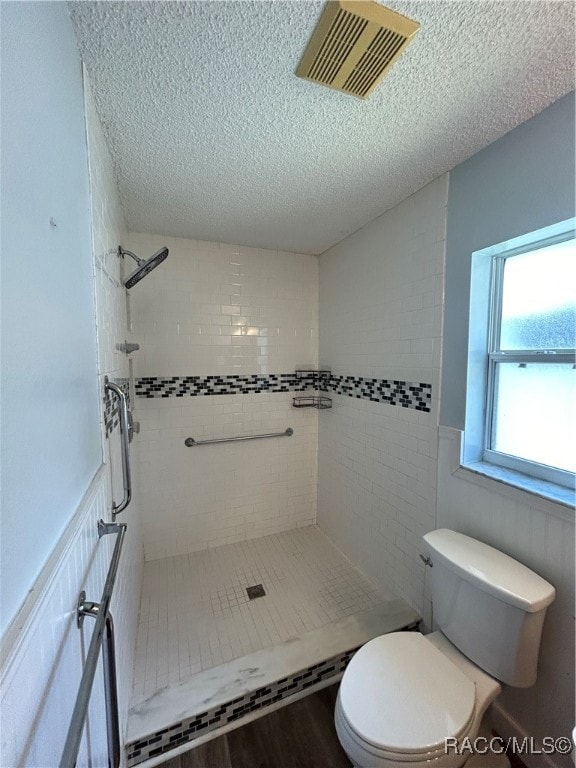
(368, 754)
(400, 698)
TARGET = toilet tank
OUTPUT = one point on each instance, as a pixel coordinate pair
(490, 606)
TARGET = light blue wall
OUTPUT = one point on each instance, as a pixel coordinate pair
(521, 183)
(50, 412)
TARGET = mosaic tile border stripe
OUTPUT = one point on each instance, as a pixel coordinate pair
(197, 386)
(404, 394)
(110, 406)
(187, 730)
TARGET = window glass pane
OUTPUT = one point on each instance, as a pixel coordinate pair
(539, 299)
(535, 413)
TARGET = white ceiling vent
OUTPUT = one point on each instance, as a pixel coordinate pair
(354, 45)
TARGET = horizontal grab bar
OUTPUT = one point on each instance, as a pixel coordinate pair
(190, 442)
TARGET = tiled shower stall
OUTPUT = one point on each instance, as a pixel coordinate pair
(228, 337)
(327, 521)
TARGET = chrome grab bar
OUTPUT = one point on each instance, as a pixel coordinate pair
(100, 611)
(125, 443)
(190, 442)
(88, 608)
(111, 694)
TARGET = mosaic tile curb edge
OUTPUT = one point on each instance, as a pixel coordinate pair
(161, 742)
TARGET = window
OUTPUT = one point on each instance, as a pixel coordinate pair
(522, 412)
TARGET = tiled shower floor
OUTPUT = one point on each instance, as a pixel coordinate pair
(210, 659)
(196, 615)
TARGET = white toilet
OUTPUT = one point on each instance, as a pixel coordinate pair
(403, 694)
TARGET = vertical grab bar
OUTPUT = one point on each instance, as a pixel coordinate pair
(125, 443)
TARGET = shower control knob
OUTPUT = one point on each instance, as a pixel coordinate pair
(133, 426)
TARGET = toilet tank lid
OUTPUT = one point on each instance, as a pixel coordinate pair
(490, 570)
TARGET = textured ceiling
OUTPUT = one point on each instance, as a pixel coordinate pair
(214, 137)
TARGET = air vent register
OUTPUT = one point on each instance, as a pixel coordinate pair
(354, 45)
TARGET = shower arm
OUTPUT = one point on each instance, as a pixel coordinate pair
(123, 252)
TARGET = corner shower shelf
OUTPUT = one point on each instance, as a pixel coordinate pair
(312, 401)
(302, 372)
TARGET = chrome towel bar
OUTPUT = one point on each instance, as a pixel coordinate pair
(190, 442)
(102, 631)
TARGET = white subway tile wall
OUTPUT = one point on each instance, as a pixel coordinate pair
(112, 329)
(216, 309)
(381, 304)
(193, 498)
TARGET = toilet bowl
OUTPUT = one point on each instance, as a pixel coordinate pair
(412, 701)
(403, 695)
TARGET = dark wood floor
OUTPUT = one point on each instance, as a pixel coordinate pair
(300, 735)
(515, 761)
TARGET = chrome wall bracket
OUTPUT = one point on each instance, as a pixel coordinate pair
(128, 347)
(85, 608)
(105, 528)
(427, 561)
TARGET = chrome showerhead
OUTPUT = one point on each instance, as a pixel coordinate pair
(144, 265)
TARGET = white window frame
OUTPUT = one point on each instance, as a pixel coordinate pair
(484, 353)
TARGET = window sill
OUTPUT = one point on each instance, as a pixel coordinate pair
(545, 495)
